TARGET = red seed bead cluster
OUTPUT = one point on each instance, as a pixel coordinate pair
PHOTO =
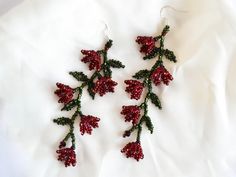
(64, 92)
(127, 133)
(134, 150)
(135, 88)
(131, 113)
(104, 85)
(62, 144)
(160, 74)
(87, 123)
(67, 155)
(147, 42)
(93, 58)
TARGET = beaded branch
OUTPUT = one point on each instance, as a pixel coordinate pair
(156, 75)
(100, 82)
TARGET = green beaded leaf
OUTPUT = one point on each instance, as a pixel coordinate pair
(165, 30)
(107, 71)
(115, 63)
(108, 44)
(79, 76)
(90, 89)
(62, 121)
(155, 100)
(157, 38)
(170, 55)
(70, 105)
(141, 74)
(152, 54)
(149, 124)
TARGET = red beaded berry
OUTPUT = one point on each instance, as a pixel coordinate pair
(67, 155)
(133, 150)
(93, 58)
(104, 85)
(161, 75)
(62, 144)
(127, 133)
(131, 113)
(87, 124)
(65, 93)
(135, 88)
(148, 44)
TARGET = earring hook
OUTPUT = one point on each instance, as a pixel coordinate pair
(106, 30)
(172, 8)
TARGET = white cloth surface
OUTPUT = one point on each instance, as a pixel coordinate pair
(194, 134)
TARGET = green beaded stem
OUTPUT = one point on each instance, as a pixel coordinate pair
(89, 82)
(146, 76)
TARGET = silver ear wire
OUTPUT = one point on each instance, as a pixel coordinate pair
(163, 17)
(106, 30)
(172, 8)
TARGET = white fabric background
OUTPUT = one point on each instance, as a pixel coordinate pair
(40, 42)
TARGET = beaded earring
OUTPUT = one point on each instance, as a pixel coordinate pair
(158, 74)
(99, 83)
